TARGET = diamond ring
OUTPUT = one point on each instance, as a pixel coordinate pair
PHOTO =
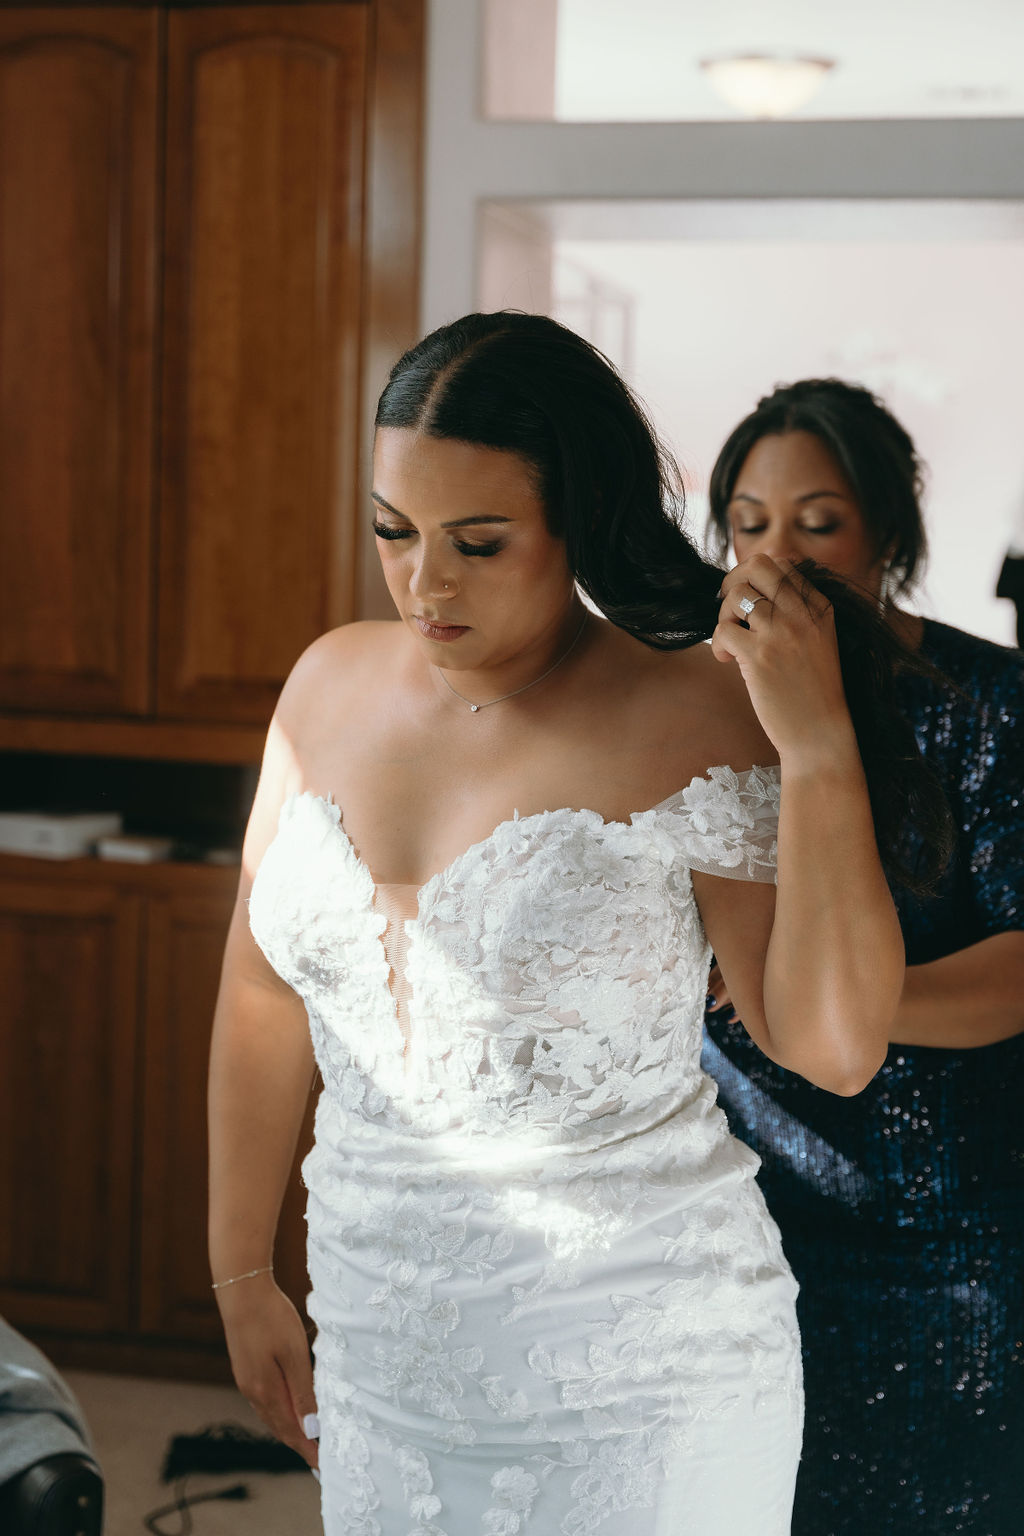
(748, 604)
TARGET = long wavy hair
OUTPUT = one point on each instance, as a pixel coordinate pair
(613, 494)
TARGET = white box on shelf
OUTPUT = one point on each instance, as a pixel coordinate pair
(132, 849)
(55, 834)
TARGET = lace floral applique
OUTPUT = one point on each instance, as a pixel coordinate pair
(512, 1405)
(346, 1441)
(723, 824)
(615, 1468)
(513, 1490)
(418, 1487)
(415, 1244)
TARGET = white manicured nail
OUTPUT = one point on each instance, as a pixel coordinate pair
(311, 1427)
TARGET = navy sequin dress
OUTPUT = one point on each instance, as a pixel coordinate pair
(902, 1209)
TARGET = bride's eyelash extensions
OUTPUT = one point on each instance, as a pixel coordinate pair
(384, 531)
(478, 549)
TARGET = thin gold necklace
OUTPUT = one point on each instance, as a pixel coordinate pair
(475, 708)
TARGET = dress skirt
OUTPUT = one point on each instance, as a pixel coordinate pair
(478, 1375)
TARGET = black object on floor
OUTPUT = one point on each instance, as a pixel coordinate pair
(228, 1448)
(217, 1448)
(58, 1496)
(183, 1506)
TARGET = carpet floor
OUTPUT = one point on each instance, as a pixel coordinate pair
(132, 1419)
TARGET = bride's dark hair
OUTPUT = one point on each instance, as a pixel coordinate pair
(529, 386)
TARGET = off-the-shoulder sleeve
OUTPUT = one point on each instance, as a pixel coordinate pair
(725, 823)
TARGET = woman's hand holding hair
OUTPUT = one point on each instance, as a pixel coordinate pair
(833, 962)
(270, 1359)
(780, 631)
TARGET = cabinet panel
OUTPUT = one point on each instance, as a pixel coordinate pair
(261, 388)
(78, 165)
(185, 944)
(68, 979)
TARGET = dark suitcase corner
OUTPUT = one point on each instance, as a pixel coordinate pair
(58, 1496)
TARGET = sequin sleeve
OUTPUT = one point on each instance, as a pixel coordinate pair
(993, 801)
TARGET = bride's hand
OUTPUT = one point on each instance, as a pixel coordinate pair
(780, 631)
(270, 1360)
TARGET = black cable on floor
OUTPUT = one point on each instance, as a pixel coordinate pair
(183, 1505)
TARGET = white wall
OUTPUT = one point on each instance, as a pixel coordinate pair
(469, 161)
(937, 329)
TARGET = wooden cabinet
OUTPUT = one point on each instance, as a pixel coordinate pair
(69, 979)
(78, 208)
(263, 257)
(208, 253)
(109, 977)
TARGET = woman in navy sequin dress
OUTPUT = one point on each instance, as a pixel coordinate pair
(902, 1209)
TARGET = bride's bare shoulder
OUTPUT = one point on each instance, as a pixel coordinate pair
(329, 691)
(339, 665)
(352, 645)
(706, 709)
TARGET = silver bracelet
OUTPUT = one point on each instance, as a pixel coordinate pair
(249, 1274)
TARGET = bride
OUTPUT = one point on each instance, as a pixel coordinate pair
(493, 845)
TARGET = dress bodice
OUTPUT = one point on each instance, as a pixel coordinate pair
(548, 988)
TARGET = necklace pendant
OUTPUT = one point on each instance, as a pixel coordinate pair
(475, 709)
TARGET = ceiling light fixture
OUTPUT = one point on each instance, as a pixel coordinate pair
(759, 85)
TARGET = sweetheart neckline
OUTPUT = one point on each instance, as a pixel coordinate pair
(338, 823)
(515, 820)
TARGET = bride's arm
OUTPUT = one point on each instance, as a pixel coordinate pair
(261, 1072)
(815, 969)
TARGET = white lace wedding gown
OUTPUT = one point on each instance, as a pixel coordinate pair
(549, 1298)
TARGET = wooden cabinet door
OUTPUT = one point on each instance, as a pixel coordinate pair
(185, 942)
(68, 1007)
(78, 183)
(264, 214)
